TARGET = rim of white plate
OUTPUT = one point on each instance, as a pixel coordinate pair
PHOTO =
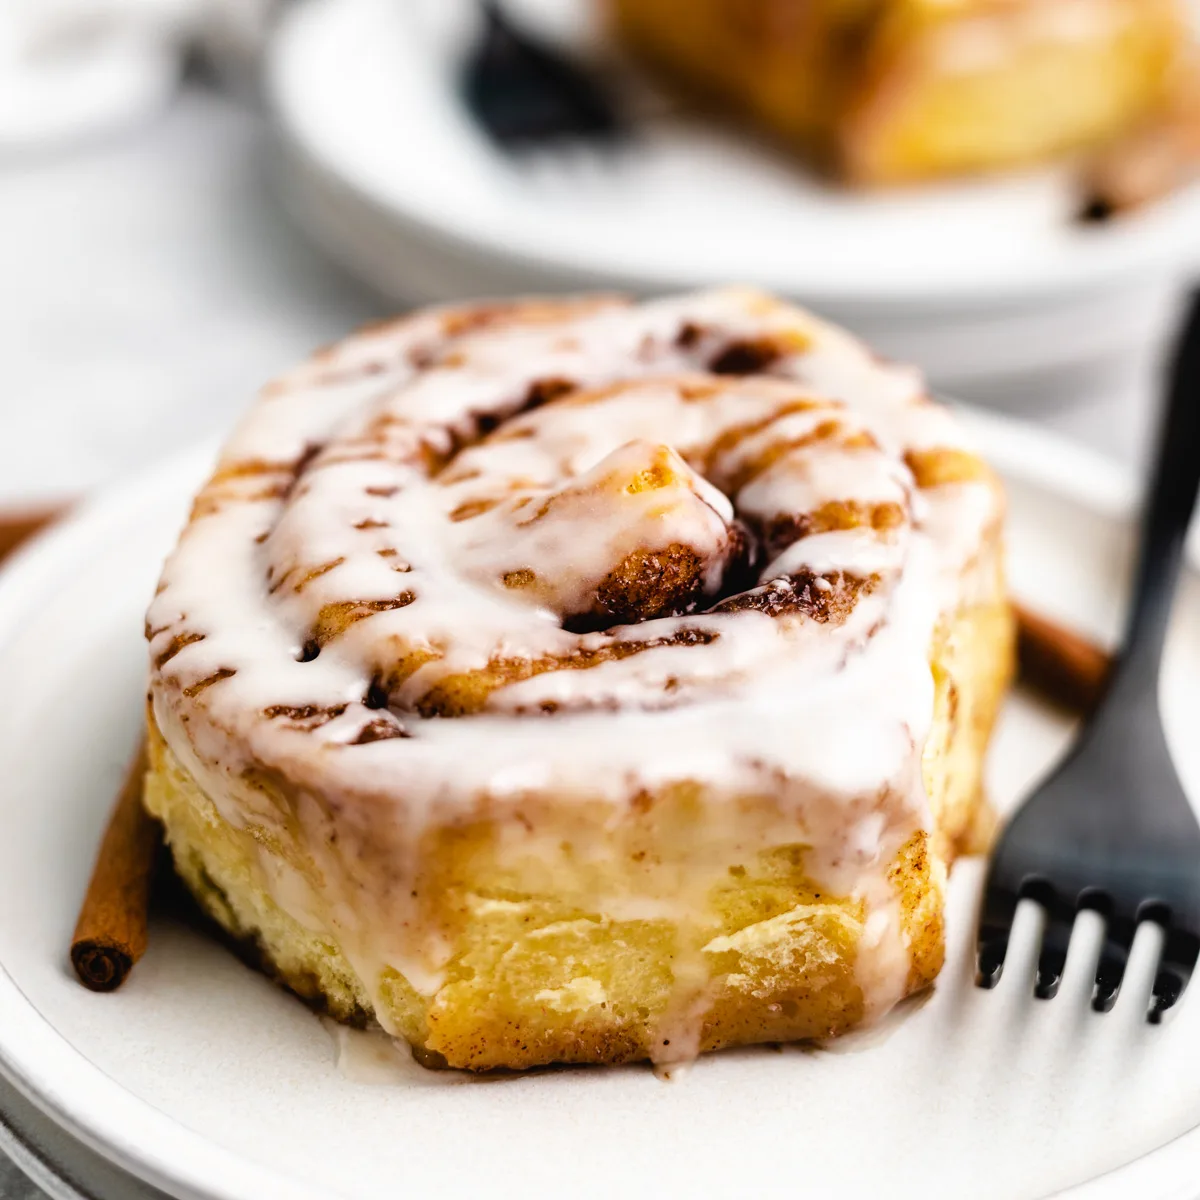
(1150, 244)
(157, 1148)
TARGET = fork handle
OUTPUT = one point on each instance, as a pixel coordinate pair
(1170, 500)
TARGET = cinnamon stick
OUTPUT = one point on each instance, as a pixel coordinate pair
(1060, 663)
(110, 935)
(15, 527)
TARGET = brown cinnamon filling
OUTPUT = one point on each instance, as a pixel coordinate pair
(337, 617)
(828, 599)
(467, 693)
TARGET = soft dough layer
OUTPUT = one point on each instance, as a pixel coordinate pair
(539, 976)
(584, 682)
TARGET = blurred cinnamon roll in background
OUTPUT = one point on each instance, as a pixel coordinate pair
(880, 91)
(578, 681)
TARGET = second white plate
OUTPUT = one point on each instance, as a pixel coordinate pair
(366, 90)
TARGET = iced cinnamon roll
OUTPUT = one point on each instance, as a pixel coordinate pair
(579, 681)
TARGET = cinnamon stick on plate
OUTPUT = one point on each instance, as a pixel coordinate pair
(16, 527)
(1061, 664)
(110, 935)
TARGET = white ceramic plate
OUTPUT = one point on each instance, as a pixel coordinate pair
(203, 1079)
(365, 89)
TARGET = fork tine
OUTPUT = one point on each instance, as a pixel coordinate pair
(1114, 957)
(995, 925)
(992, 949)
(1053, 958)
(1179, 955)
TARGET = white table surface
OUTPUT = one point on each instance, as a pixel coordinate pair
(150, 284)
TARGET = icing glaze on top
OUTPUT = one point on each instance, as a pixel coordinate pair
(576, 550)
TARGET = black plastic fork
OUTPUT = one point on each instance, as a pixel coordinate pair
(1112, 829)
(525, 93)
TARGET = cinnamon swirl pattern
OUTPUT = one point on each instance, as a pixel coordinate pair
(582, 681)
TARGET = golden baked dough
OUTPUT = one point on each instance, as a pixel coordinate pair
(888, 90)
(580, 682)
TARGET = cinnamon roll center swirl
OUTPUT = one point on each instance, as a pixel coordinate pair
(557, 508)
(676, 499)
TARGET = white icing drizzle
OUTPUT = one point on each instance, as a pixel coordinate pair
(363, 519)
